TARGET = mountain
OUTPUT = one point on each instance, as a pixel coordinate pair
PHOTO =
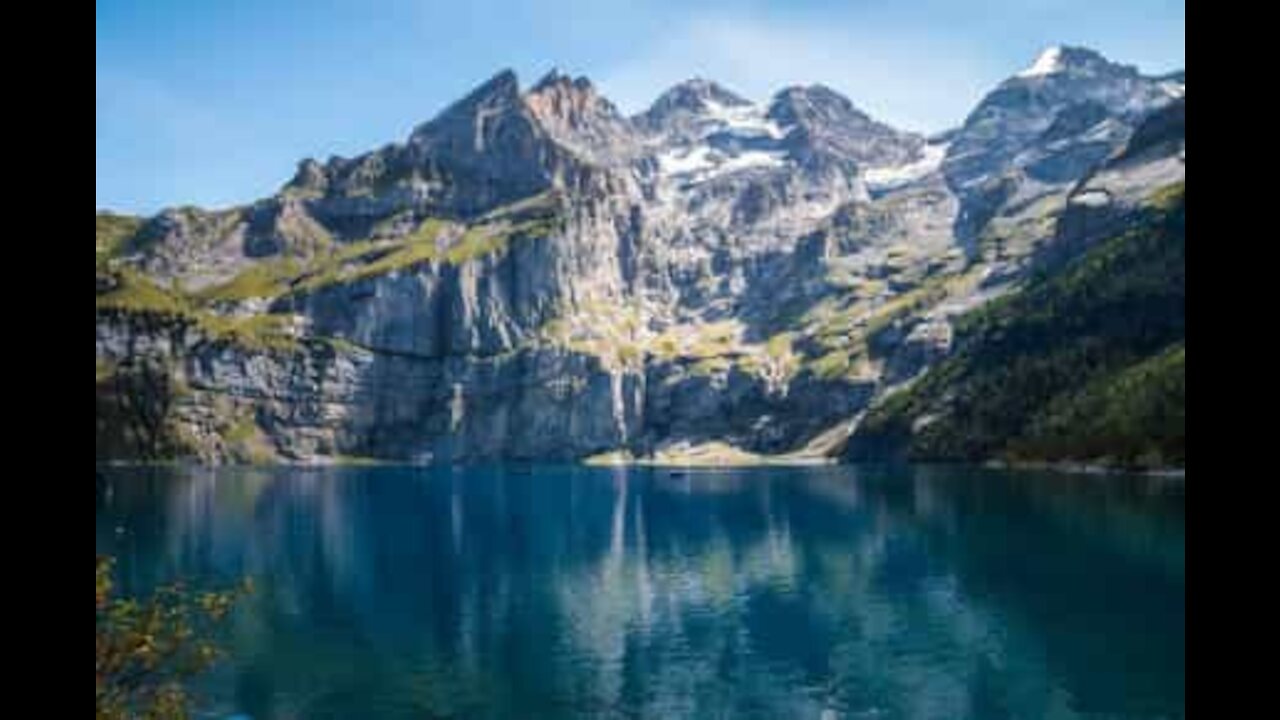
(1018, 153)
(1087, 362)
(686, 109)
(1086, 365)
(533, 275)
(578, 117)
(828, 126)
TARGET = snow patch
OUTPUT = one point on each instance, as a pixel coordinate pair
(706, 159)
(701, 162)
(754, 158)
(1092, 198)
(685, 161)
(1048, 63)
(748, 120)
(895, 176)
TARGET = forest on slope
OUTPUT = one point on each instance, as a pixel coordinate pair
(1086, 365)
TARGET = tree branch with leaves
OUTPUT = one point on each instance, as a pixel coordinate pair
(148, 649)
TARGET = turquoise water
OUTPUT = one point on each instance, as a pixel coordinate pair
(632, 593)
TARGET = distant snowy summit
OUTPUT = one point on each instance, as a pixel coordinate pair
(1048, 62)
(1057, 59)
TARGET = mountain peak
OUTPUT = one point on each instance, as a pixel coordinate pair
(580, 118)
(552, 77)
(1049, 61)
(1057, 59)
(816, 96)
(558, 98)
(555, 78)
(814, 104)
(696, 94)
(713, 90)
(500, 91)
(503, 83)
(810, 90)
(689, 102)
(828, 124)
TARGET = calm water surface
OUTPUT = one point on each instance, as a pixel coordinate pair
(631, 593)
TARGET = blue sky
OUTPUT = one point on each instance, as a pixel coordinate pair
(213, 102)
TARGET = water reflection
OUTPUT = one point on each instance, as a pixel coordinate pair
(574, 592)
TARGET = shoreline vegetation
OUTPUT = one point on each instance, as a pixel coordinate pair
(150, 648)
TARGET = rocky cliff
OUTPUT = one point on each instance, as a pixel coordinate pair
(533, 275)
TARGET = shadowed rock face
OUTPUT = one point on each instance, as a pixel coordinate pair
(487, 148)
(531, 274)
